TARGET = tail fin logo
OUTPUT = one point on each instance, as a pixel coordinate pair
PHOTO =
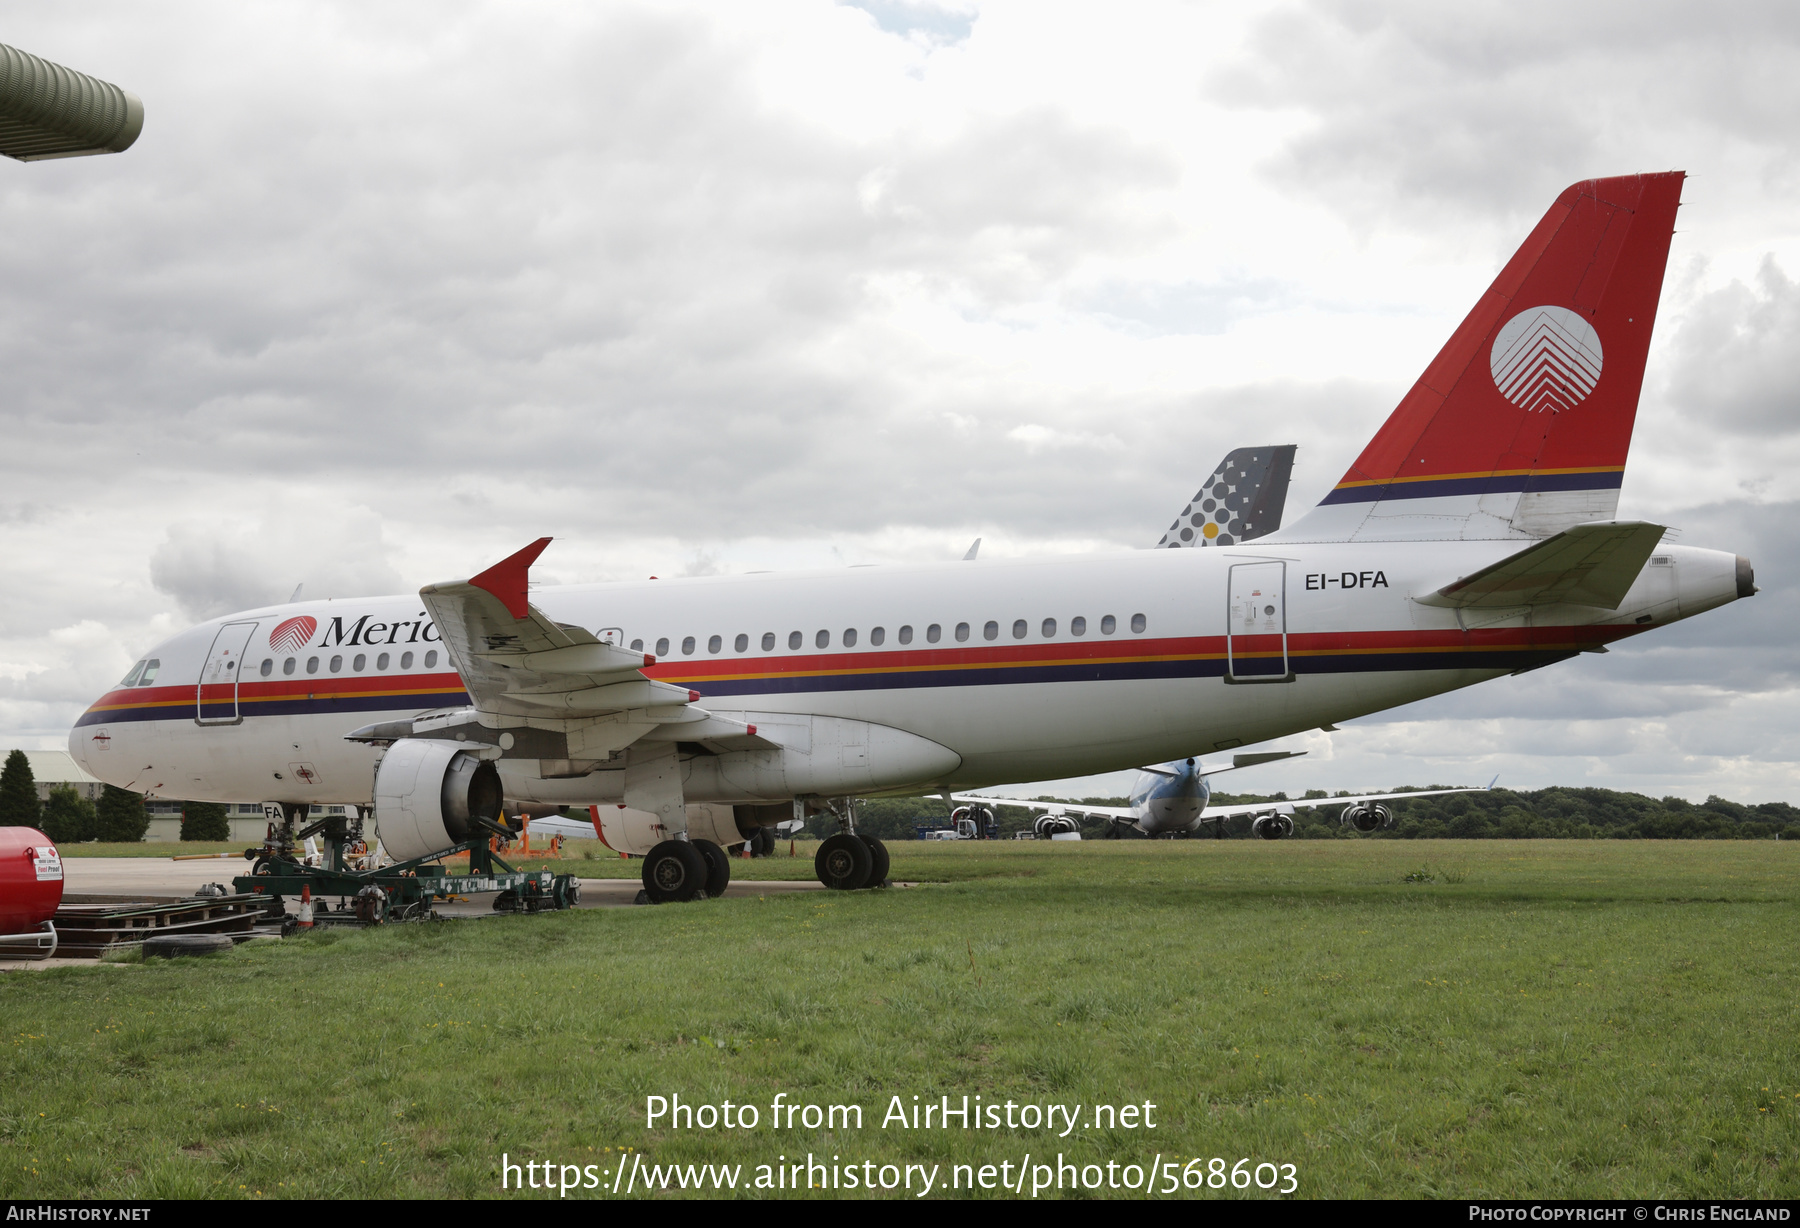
(1546, 358)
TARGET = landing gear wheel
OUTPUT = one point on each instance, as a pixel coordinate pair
(765, 842)
(675, 871)
(878, 862)
(718, 868)
(843, 862)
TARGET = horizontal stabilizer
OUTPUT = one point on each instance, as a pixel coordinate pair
(1251, 760)
(1590, 564)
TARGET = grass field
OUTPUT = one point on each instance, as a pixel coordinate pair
(1554, 1018)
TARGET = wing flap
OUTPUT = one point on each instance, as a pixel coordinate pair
(1590, 564)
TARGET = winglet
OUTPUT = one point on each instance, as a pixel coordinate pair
(507, 578)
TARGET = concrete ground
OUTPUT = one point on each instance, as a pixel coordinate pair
(152, 877)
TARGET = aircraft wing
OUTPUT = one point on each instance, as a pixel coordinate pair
(516, 661)
(1590, 564)
(1056, 808)
(1308, 803)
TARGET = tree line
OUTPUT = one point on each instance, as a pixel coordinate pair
(1556, 813)
(118, 815)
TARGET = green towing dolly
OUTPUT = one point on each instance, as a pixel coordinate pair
(405, 891)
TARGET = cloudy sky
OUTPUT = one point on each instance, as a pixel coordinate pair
(385, 291)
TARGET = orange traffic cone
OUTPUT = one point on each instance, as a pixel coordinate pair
(306, 920)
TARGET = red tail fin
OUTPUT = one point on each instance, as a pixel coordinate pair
(1534, 396)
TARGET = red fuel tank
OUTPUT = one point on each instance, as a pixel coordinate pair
(31, 879)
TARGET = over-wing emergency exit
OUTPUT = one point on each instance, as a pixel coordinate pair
(1473, 537)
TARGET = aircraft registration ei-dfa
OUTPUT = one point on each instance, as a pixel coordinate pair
(1473, 537)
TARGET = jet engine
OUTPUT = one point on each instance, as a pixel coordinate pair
(428, 792)
(973, 823)
(1367, 817)
(1047, 825)
(1271, 826)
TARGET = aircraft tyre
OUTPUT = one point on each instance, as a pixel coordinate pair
(843, 862)
(718, 868)
(765, 842)
(878, 862)
(674, 872)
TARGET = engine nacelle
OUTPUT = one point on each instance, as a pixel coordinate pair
(1271, 826)
(1367, 817)
(1048, 825)
(428, 792)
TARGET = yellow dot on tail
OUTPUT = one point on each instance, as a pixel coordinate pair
(1211, 530)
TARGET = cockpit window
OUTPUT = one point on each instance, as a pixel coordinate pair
(131, 676)
(150, 668)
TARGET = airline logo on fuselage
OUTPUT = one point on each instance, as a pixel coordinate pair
(364, 632)
(291, 636)
(1546, 358)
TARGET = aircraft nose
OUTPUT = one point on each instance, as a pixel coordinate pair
(1746, 578)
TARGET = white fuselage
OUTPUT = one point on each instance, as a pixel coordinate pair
(1205, 652)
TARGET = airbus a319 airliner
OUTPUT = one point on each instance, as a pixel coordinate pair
(1473, 537)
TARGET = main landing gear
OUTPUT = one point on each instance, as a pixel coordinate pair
(849, 860)
(680, 870)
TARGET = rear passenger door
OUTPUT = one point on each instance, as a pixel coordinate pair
(1256, 624)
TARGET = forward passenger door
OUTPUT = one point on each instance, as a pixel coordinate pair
(216, 703)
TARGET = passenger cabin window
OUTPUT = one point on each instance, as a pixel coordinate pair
(877, 635)
(687, 645)
(1108, 625)
(1049, 628)
(359, 663)
(906, 634)
(431, 658)
(962, 632)
(150, 668)
(714, 644)
(1138, 623)
(406, 660)
(933, 633)
(768, 641)
(337, 664)
(794, 640)
(662, 646)
(1020, 628)
(287, 666)
(268, 667)
(381, 662)
(1078, 625)
(823, 639)
(741, 644)
(990, 630)
(637, 645)
(849, 637)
